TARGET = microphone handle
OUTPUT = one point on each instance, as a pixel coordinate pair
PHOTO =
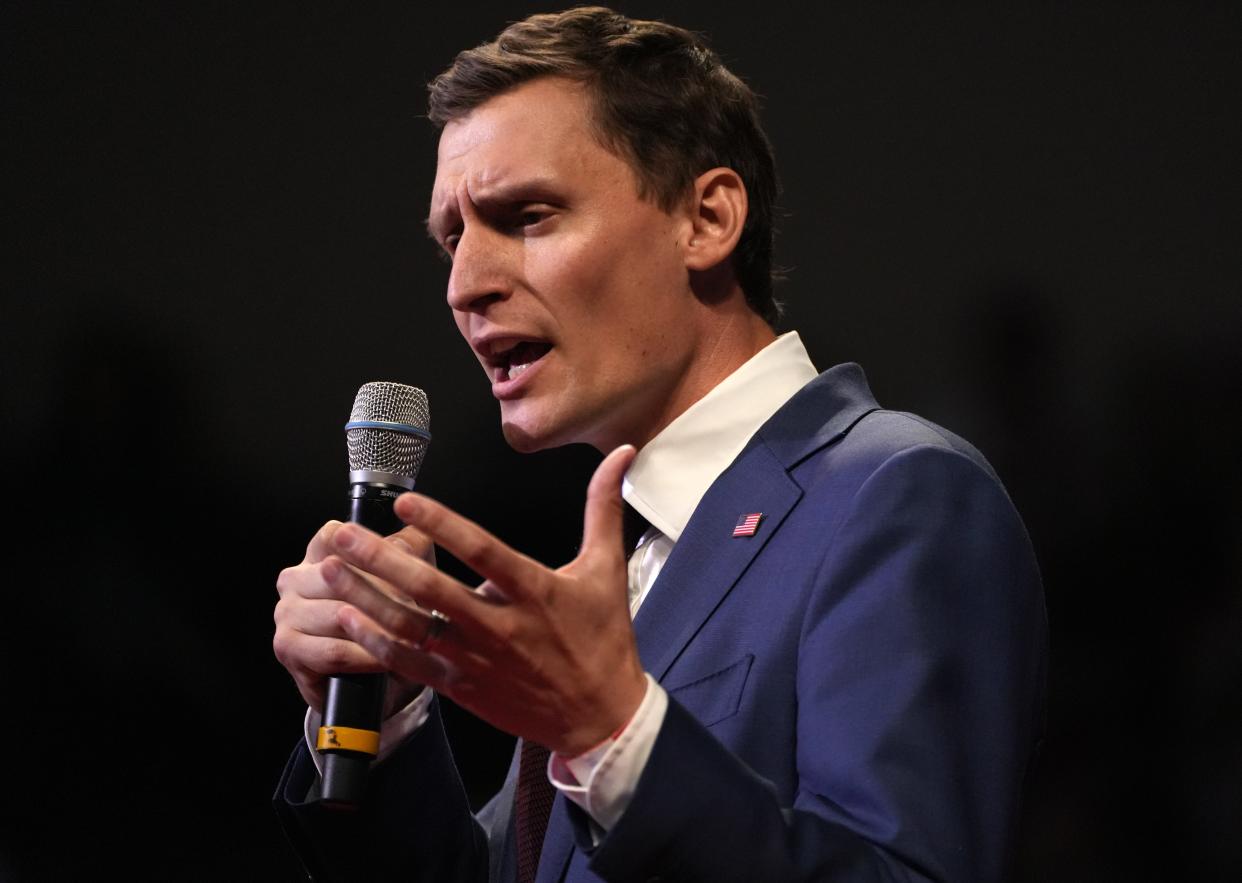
(354, 707)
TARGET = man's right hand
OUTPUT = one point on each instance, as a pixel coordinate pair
(308, 641)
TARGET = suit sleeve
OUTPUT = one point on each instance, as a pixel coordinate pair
(415, 824)
(919, 694)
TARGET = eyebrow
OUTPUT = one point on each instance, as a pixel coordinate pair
(538, 188)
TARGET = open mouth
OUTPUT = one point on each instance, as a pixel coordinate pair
(514, 362)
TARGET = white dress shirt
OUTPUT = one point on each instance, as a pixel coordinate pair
(665, 483)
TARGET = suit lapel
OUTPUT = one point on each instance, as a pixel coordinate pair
(558, 844)
(707, 560)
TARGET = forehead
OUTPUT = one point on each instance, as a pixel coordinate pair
(539, 131)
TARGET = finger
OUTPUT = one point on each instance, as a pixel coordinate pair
(411, 583)
(511, 571)
(310, 617)
(601, 524)
(398, 656)
(301, 581)
(320, 545)
(415, 542)
(399, 618)
(321, 656)
(412, 578)
(304, 581)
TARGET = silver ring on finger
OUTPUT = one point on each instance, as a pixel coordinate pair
(435, 627)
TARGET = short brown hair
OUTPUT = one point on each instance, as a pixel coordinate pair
(663, 101)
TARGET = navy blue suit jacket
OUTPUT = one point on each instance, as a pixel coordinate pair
(856, 690)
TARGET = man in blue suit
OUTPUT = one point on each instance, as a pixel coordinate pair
(835, 665)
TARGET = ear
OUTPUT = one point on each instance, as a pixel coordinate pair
(717, 212)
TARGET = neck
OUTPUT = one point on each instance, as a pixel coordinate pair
(731, 334)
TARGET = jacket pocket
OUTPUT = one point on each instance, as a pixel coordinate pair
(716, 696)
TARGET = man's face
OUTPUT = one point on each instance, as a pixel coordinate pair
(571, 290)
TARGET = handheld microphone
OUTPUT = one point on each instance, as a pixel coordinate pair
(387, 436)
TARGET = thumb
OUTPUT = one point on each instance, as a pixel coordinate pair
(601, 526)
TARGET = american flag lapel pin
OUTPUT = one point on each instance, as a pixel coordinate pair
(747, 525)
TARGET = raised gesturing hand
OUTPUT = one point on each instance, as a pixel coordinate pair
(545, 654)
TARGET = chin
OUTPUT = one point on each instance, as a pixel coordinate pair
(526, 434)
(527, 438)
(528, 429)
(521, 440)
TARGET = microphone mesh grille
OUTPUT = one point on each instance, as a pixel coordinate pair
(387, 450)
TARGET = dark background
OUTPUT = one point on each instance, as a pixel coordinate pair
(1024, 223)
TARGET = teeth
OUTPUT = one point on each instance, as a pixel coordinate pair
(516, 370)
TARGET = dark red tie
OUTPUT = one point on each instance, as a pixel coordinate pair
(533, 806)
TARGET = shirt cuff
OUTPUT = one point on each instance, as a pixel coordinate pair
(392, 731)
(602, 780)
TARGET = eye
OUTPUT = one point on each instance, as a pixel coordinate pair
(531, 216)
(447, 247)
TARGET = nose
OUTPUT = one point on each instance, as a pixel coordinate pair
(479, 274)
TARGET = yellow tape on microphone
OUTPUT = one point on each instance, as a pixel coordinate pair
(348, 739)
